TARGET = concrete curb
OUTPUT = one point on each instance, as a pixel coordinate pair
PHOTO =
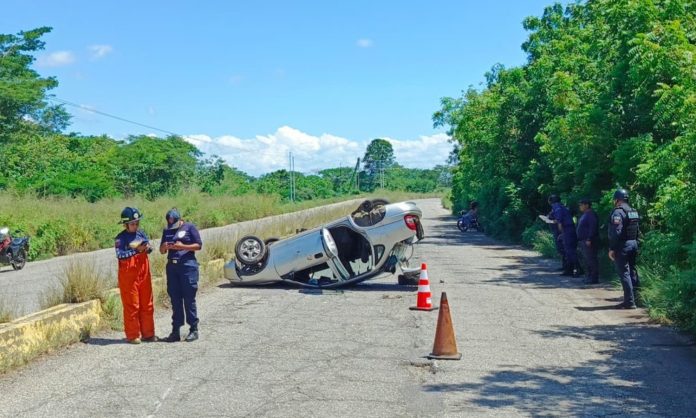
(29, 336)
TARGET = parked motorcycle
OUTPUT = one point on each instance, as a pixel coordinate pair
(466, 223)
(13, 251)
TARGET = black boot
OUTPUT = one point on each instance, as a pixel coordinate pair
(193, 335)
(174, 337)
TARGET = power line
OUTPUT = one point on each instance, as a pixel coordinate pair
(122, 119)
(89, 109)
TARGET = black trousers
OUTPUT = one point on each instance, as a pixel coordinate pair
(625, 263)
(182, 286)
(590, 254)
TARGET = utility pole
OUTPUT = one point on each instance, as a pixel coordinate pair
(291, 176)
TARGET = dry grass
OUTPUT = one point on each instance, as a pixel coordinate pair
(80, 281)
(8, 311)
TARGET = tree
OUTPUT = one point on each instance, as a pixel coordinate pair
(23, 93)
(379, 156)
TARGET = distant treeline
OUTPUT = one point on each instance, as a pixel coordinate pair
(606, 99)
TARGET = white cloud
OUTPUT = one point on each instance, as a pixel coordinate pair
(99, 51)
(424, 152)
(365, 43)
(56, 59)
(266, 153)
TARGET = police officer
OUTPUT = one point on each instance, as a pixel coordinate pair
(558, 240)
(623, 246)
(180, 240)
(588, 237)
(566, 229)
(134, 278)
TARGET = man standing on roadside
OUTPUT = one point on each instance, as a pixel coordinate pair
(566, 229)
(588, 237)
(623, 246)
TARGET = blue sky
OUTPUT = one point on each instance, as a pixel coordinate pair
(250, 81)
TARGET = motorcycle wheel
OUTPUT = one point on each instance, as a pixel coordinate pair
(462, 226)
(19, 260)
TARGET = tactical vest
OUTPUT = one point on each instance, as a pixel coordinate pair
(630, 229)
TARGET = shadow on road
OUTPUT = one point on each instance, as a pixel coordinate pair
(647, 371)
(366, 286)
(105, 341)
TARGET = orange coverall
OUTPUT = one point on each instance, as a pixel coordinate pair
(135, 284)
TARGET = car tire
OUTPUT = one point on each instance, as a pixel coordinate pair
(408, 280)
(250, 250)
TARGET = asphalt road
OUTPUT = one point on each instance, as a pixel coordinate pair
(532, 343)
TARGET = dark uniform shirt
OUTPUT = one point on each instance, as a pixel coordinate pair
(588, 226)
(562, 215)
(623, 227)
(124, 240)
(187, 234)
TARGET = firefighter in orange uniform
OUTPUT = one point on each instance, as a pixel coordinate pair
(134, 279)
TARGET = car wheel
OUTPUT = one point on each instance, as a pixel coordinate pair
(19, 259)
(250, 250)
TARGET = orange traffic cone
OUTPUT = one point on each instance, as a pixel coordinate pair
(445, 345)
(424, 301)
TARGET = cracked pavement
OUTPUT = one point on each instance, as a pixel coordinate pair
(533, 343)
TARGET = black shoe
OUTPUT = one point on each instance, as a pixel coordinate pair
(173, 338)
(625, 306)
(192, 336)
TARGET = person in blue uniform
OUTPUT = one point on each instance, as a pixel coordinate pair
(588, 237)
(566, 228)
(558, 240)
(623, 228)
(181, 240)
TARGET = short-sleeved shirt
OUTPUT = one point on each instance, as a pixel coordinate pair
(187, 234)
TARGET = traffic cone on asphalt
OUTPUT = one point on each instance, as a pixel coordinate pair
(445, 345)
(424, 301)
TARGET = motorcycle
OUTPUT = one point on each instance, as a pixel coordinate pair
(466, 223)
(13, 251)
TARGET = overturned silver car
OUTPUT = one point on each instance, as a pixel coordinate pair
(376, 238)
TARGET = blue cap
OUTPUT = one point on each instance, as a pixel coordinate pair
(173, 214)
